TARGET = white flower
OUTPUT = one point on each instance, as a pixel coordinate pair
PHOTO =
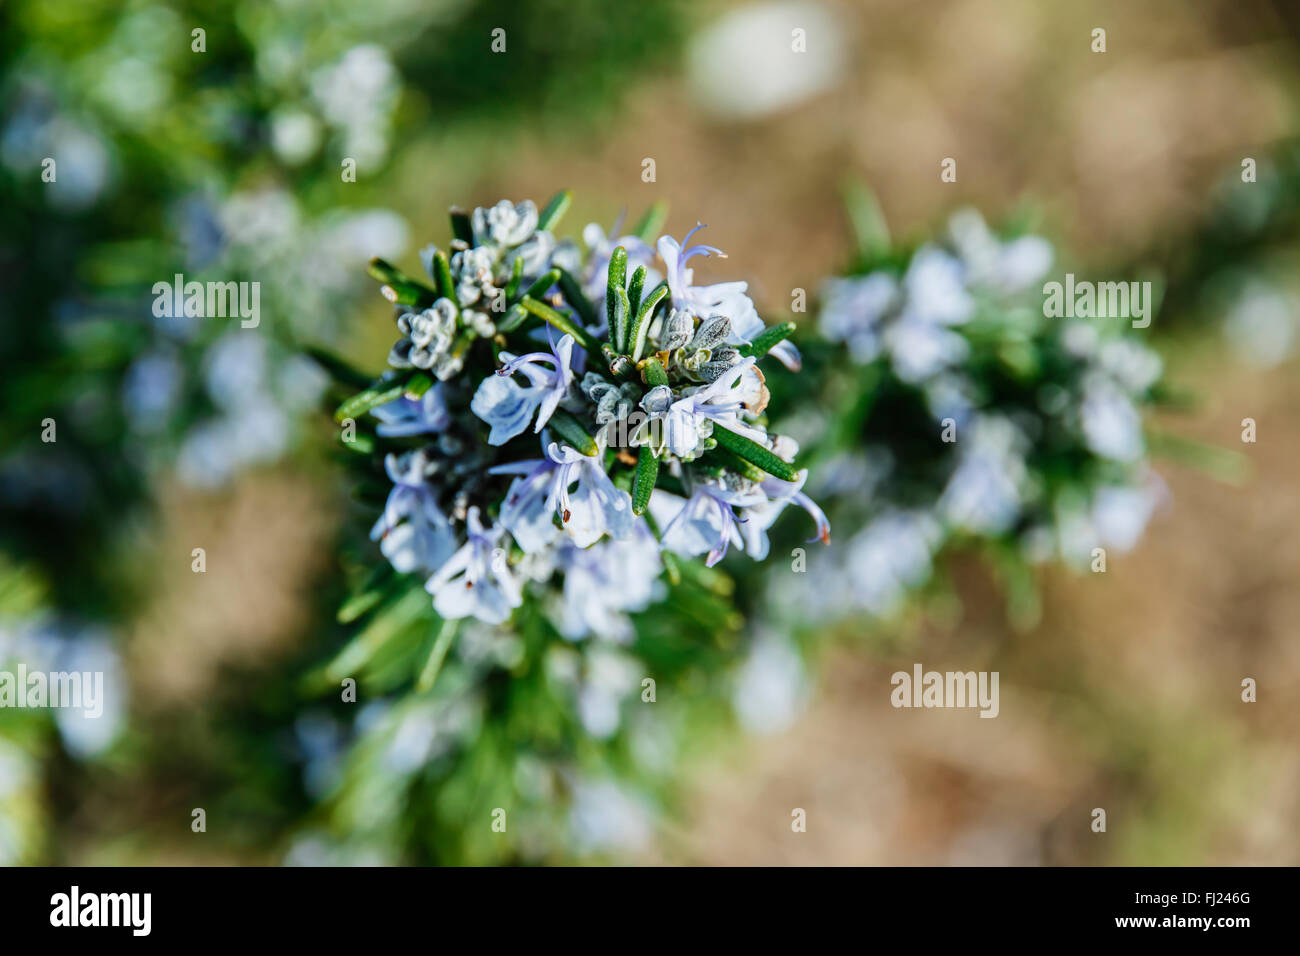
(1009, 267)
(504, 224)
(854, 311)
(983, 495)
(428, 342)
(757, 518)
(724, 298)
(476, 581)
(412, 532)
(1135, 367)
(889, 557)
(407, 416)
(602, 583)
(920, 349)
(1120, 513)
(705, 523)
(770, 686)
(594, 507)
(936, 288)
(682, 425)
(1112, 426)
(508, 407)
(530, 503)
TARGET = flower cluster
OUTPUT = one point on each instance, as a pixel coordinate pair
(532, 434)
(971, 415)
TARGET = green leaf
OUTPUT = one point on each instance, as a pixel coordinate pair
(647, 473)
(419, 384)
(617, 283)
(647, 230)
(339, 369)
(868, 221)
(1221, 464)
(573, 294)
(737, 464)
(400, 288)
(767, 340)
(635, 287)
(437, 654)
(618, 331)
(641, 324)
(442, 277)
(461, 227)
(754, 453)
(358, 605)
(517, 313)
(653, 372)
(360, 444)
(671, 565)
(516, 277)
(556, 208)
(362, 402)
(571, 430)
(562, 322)
(385, 626)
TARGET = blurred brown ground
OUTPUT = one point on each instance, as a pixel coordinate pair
(1126, 696)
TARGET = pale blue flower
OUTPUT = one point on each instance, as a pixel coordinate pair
(854, 311)
(756, 519)
(935, 285)
(412, 532)
(771, 686)
(680, 426)
(407, 416)
(601, 247)
(705, 523)
(724, 298)
(594, 507)
(604, 582)
(1120, 513)
(888, 558)
(1111, 425)
(508, 406)
(531, 503)
(920, 349)
(505, 224)
(1005, 267)
(606, 818)
(476, 581)
(984, 494)
(1135, 367)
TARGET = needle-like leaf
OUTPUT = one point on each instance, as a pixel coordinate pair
(754, 453)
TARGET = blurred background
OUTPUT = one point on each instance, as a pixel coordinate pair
(226, 163)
